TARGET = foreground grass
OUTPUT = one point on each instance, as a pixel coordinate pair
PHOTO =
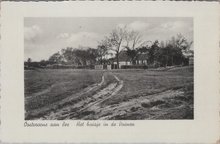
(153, 94)
(146, 94)
(45, 87)
(145, 82)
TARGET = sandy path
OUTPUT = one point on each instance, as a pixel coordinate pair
(103, 95)
(90, 105)
(46, 110)
(111, 111)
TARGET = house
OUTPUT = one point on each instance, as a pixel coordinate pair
(125, 60)
(142, 59)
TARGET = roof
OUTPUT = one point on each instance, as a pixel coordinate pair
(124, 57)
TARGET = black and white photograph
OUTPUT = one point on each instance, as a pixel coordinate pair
(108, 68)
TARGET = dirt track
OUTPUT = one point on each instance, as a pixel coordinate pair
(87, 107)
(109, 100)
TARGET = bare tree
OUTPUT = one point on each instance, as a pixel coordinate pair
(133, 42)
(133, 39)
(102, 51)
(123, 38)
(180, 42)
(115, 40)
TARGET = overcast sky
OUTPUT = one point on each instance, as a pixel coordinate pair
(45, 36)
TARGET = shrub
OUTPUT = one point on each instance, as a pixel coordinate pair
(134, 67)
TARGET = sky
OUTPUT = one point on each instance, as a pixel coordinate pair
(46, 36)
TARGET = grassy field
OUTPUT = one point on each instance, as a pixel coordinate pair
(116, 94)
(165, 94)
(140, 82)
(44, 87)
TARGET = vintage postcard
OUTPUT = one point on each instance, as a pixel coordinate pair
(75, 69)
(103, 72)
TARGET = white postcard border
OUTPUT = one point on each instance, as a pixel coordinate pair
(205, 126)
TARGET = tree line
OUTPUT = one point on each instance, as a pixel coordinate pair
(168, 53)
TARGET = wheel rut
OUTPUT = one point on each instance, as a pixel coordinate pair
(91, 104)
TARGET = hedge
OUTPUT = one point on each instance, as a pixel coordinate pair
(134, 67)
